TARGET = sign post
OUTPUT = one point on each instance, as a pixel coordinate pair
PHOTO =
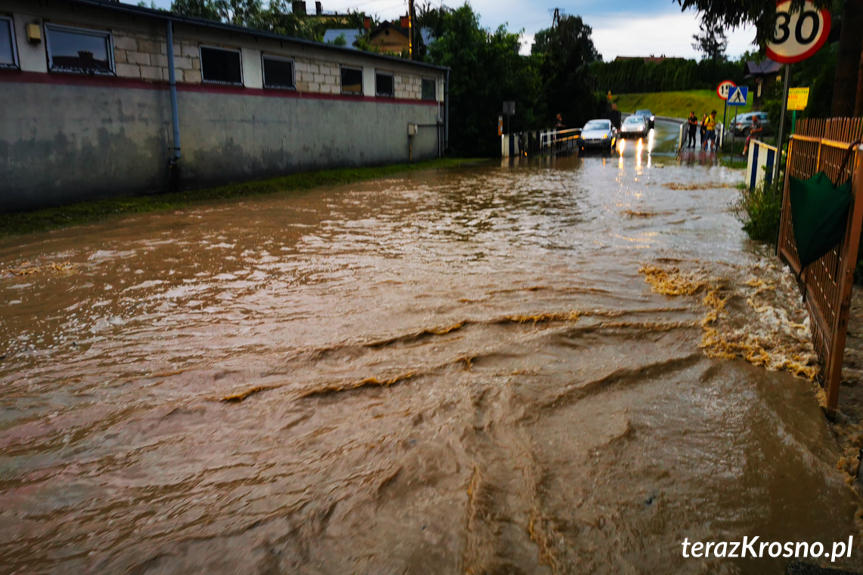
(796, 36)
(786, 70)
(509, 112)
(723, 90)
(737, 97)
(798, 98)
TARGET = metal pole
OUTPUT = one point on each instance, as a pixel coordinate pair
(509, 136)
(446, 114)
(410, 29)
(172, 80)
(724, 113)
(778, 162)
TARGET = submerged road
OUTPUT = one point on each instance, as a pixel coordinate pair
(561, 366)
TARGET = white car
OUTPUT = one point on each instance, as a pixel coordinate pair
(635, 127)
(598, 134)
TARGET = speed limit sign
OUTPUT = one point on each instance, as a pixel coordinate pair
(799, 34)
(724, 88)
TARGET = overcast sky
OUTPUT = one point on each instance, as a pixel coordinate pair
(620, 27)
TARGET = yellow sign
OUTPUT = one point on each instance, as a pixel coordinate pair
(798, 98)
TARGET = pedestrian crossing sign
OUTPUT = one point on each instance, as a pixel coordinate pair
(737, 96)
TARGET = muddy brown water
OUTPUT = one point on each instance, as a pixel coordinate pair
(458, 371)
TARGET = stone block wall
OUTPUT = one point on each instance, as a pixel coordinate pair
(144, 57)
(317, 76)
(408, 87)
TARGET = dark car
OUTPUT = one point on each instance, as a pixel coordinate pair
(651, 119)
(743, 123)
(635, 127)
(598, 134)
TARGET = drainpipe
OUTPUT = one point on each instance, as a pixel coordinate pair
(446, 114)
(174, 161)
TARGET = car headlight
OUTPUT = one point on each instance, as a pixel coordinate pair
(605, 136)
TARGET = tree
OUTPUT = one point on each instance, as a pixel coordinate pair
(567, 51)
(848, 83)
(196, 8)
(711, 40)
(239, 12)
(276, 17)
(486, 70)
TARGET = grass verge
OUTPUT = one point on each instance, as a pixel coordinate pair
(96, 210)
(677, 104)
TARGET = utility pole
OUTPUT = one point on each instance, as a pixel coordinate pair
(411, 19)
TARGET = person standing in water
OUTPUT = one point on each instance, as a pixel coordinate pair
(710, 131)
(692, 126)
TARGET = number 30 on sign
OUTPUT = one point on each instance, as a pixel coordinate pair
(798, 35)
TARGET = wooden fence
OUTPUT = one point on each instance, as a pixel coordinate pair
(821, 145)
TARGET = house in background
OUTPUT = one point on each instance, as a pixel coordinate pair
(391, 38)
(764, 74)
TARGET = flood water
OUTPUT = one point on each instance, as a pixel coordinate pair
(538, 368)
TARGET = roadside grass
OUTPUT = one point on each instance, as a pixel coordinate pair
(97, 210)
(760, 210)
(677, 104)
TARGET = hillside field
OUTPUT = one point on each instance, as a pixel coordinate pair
(678, 104)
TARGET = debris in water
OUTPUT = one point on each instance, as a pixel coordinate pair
(27, 268)
(645, 214)
(412, 337)
(242, 395)
(770, 339)
(541, 317)
(672, 281)
(367, 382)
(711, 186)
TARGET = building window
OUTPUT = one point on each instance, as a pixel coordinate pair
(429, 89)
(384, 85)
(8, 52)
(78, 50)
(278, 72)
(352, 81)
(221, 66)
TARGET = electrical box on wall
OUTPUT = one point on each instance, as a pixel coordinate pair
(34, 33)
(412, 129)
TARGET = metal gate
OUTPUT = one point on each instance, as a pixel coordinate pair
(822, 145)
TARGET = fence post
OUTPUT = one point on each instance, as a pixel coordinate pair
(833, 375)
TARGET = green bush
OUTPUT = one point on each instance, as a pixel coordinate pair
(760, 210)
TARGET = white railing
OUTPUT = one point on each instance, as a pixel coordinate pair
(759, 163)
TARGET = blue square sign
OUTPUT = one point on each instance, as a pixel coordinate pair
(737, 96)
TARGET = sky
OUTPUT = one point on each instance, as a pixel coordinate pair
(620, 27)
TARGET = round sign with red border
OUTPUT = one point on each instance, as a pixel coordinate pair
(798, 35)
(724, 88)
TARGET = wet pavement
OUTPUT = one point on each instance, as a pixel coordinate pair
(559, 366)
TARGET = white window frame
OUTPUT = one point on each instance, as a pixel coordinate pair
(293, 85)
(385, 73)
(342, 86)
(85, 31)
(16, 64)
(239, 53)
